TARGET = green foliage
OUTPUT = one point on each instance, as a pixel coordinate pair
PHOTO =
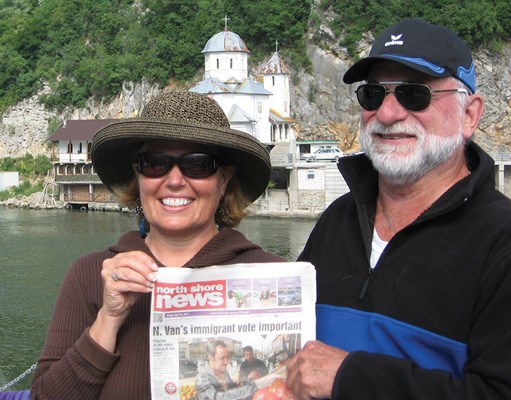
(32, 171)
(261, 23)
(88, 48)
(53, 124)
(28, 166)
(481, 23)
(24, 189)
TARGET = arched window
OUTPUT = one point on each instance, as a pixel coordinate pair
(70, 148)
(217, 63)
(230, 63)
(273, 80)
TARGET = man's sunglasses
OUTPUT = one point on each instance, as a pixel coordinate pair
(412, 96)
(193, 165)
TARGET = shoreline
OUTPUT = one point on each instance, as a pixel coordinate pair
(38, 202)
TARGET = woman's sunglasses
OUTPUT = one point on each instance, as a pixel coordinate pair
(412, 96)
(193, 165)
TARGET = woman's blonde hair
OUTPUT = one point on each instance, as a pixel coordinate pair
(230, 211)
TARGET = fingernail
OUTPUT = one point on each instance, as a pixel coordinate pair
(154, 267)
(152, 277)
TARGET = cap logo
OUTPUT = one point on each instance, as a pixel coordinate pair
(395, 40)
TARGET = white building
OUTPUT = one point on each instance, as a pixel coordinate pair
(276, 79)
(9, 180)
(262, 110)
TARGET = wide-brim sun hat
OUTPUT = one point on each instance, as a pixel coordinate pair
(180, 117)
(431, 49)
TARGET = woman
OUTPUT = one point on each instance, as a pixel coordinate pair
(190, 177)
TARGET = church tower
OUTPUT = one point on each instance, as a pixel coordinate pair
(276, 80)
(226, 80)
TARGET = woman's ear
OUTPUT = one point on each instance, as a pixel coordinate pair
(226, 173)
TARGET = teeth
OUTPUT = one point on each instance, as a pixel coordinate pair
(172, 202)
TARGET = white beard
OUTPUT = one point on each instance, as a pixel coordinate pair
(404, 164)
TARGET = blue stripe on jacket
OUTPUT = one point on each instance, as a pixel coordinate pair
(353, 330)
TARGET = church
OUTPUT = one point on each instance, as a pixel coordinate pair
(259, 109)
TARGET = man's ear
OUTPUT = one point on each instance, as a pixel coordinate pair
(472, 115)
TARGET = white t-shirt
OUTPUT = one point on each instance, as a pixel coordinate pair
(377, 248)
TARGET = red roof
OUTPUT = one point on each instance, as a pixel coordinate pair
(79, 129)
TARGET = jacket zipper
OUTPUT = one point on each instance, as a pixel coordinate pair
(366, 284)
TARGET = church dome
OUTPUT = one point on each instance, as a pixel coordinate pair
(276, 65)
(225, 41)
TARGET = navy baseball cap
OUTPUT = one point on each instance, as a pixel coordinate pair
(417, 44)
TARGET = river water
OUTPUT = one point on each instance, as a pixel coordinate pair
(36, 248)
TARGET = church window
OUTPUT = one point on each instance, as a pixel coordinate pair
(230, 63)
(217, 63)
(273, 80)
(70, 148)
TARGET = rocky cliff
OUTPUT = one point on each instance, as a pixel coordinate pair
(323, 106)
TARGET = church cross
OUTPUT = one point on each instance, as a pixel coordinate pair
(225, 22)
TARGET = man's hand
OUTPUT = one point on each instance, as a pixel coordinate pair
(311, 372)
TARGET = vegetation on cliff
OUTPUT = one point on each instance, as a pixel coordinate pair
(86, 49)
(481, 23)
(32, 172)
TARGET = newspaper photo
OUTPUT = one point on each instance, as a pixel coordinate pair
(226, 332)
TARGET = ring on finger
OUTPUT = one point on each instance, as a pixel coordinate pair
(115, 277)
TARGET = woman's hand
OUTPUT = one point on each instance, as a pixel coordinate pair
(126, 277)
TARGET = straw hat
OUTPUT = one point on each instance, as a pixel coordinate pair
(183, 117)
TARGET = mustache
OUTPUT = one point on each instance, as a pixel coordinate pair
(408, 128)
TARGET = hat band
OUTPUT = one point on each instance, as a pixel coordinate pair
(467, 76)
(419, 61)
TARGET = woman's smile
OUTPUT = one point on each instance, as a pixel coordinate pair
(176, 202)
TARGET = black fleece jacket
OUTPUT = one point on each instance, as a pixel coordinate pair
(432, 320)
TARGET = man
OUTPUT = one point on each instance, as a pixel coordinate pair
(414, 264)
(251, 368)
(215, 383)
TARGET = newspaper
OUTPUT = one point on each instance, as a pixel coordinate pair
(268, 306)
